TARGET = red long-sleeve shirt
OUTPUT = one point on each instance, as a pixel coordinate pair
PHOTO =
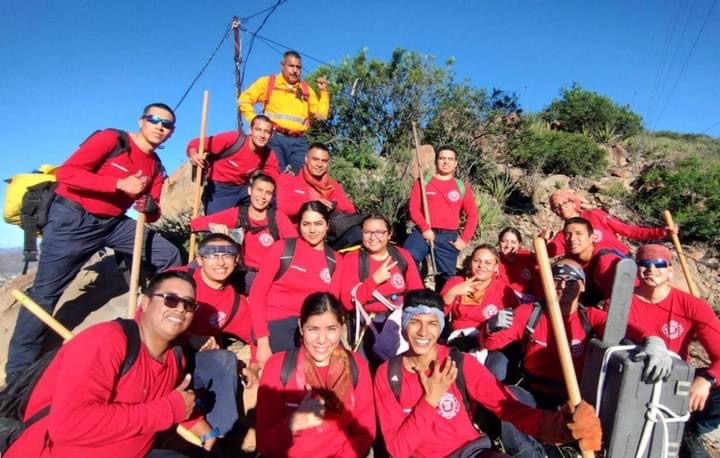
(445, 202)
(600, 273)
(412, 427)
(393, 289)
(89, 178)
(541, 354)
(293, 191)
(276, 403)
(215, 309)
(522, 275)
(498, 296)
(308, 273)
(256, 246)
(236, 168)
(677, 319)
(91, 415)
(606, 228)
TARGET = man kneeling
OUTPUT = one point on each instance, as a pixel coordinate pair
(420, 395)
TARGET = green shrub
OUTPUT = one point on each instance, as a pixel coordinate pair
(690, 190)
(579, 109)
(553, 152)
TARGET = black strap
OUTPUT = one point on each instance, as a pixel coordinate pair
(289, 253)
(364, 261)
(230, 150)
(244, 222)
(395, 377)
(290, 363)
(235, 307)
(132, 332)
(530, 326)
(587, 327)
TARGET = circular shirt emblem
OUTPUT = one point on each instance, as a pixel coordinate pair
(673, 329)
(577, 347)
(598, 234)
(453, 196)
(217, 319)
(325, 275)
(397, 281)
(490, 311)
(448, 406)
(526, 274)
(266, 239)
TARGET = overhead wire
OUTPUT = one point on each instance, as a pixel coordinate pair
(663, 62)
(268, 41)
(687, 59)
(247, 18)
(252, 40)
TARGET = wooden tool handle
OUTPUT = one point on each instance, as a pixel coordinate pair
(135, 267)
(199, 174)
(558, 328)
(681, 256)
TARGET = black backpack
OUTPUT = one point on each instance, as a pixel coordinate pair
(15, 396)
(290, 363)
(395, 377)
(535, 316)
(364, 261)
(235, 147)
(289, 253)
(244, 222)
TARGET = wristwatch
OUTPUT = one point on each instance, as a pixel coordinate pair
(709, 377)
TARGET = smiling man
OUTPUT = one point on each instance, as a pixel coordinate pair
(111, 171)
(233, 159)
(291, 104)
(423, 396)
(100, 407)
(677, 317)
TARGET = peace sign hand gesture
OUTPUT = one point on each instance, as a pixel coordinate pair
(384, 271)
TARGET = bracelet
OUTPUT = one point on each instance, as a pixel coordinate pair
(213, 433)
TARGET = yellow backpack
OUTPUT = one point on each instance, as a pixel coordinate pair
(18, 186)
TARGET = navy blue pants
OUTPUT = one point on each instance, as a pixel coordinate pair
(215, 380)
(70, 238)
(284, 334)
(221, 196)
(707, 419)
(290, 151)
(445, 253)
(517, 443)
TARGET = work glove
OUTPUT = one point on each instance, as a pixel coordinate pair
(569, 425)
(502, 320)
(146, 204)
(658, 362)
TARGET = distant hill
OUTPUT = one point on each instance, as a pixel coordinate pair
(11, 264)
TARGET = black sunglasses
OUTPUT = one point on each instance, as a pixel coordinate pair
(154, 119)
(173, 300)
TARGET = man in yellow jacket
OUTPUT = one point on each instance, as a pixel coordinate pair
(290, 103)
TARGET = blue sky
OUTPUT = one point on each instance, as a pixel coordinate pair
(71, 67)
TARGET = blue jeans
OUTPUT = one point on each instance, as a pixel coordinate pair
(290, 151)
(221, 196)
(283, 334)
(445, 253)
(517, 443)
(707, 419)
(70, 238)
(215, 380)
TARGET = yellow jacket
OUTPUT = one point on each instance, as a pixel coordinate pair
(286, 109)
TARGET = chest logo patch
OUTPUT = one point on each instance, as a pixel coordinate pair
(448, 407)
(598, 234)
(266, 239)
(490, 311)
(453, 196)
(673, 329)
(397, 281)
(217, 319)
(325, 275)
(526, 274)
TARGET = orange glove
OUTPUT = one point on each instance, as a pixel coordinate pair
(584, 425)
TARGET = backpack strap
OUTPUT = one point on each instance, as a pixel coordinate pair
(243, 217)
(230, 150)
(330, 257)
(288, 365)
(132, 333)
(268, 90)
(530, 326)
(461, 186)
(235, 307)
(398, 257)
(614, 251)
(272, 224)
(587, 327)
(395, 375)
(363, 264)
(459, 359)
(244, 222)
(286, 258)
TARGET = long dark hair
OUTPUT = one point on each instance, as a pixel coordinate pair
(467, 262)
(319, 303)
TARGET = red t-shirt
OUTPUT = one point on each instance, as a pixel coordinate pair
(445, 202)
(412, 427)
(351, 436)
(393, 289)
(90, 414)
(308, 273)
(236, 168)
(606, 228)
(256, 246)
(522, 275)
(89, 177)
(677, 319)
(293, 192)
(467, 314)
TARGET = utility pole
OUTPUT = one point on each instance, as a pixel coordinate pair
(238, 61)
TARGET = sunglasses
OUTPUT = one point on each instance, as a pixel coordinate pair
(658, 263)
(155, 119)
(173, 300)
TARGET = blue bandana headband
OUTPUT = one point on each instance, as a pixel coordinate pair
(212, 249)
(409, 312)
